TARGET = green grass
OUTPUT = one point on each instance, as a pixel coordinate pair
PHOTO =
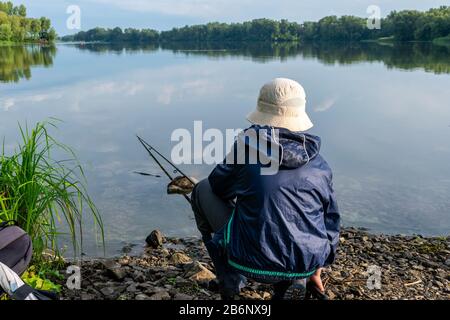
(47, 197)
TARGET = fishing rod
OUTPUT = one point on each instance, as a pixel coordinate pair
(149, 149)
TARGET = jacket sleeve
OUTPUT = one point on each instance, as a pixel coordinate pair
(223, 181)
(332, 224)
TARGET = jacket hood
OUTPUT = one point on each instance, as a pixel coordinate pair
(298, 148)
(295, 148)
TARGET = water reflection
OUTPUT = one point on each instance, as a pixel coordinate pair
(16, 62)
(117, 48)
(407, 56)
(385, 132)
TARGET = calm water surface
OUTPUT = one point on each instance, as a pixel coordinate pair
(383, 113)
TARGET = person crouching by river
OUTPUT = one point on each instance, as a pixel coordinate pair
(274, 228)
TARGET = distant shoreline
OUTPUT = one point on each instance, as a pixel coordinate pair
(380, 40)
(405, 25)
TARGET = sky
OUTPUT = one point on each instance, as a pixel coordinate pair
(165, 14)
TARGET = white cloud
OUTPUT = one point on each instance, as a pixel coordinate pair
(127, 88)
(166, 95)
(108, 147)
(247, 9)
(167, 85)
(9, 103)
(171, 7)
(325, 105)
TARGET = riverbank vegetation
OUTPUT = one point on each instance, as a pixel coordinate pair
(16, 61)
(406, 25)
(16, 27)
(45, 196)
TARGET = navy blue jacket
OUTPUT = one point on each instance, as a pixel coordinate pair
(285, 225)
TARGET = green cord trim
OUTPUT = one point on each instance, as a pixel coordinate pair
(227, 237)
(227, 234)
(271, 273)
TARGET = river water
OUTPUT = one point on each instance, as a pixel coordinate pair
(382, 111)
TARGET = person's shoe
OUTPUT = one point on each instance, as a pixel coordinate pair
(214, 286)
(312, 292)
(280, 289)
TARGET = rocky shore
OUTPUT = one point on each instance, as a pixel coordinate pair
(368, 267)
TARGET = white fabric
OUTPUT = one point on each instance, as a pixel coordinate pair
(10, 281)
(282, 103)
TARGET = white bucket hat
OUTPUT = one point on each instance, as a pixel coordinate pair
(282, 103)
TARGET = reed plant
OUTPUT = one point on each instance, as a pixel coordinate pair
(46, 197)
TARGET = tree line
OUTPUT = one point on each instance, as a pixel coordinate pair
(406, 25)
(115, 35)
(16, 27)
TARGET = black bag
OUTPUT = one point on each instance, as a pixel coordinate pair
(16, 250)
(15, 247)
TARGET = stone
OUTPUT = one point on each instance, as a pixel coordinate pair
(430, 264)
(162, 295)
(250, 295)
(182, 296)
(197, 272)
(87, 296)
(418, 267)
(114, 269)
(180, 258)
(138, 276)
(167, 276)
(266, 295)
(164, 252)
(331, 295)
(155, 239)
(107, 291)
(132, 288)
(142, 296)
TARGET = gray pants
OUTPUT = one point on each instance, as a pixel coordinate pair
(211, 212)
